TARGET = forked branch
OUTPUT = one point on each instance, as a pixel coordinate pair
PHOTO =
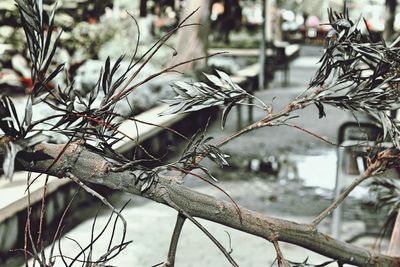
(93, 168)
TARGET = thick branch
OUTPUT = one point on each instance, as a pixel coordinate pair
(90, 167)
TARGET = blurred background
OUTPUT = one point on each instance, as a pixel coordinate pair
(90, 31)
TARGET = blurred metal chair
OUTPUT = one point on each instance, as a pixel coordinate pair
(354, 139)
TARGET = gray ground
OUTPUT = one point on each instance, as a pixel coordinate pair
(150, 224)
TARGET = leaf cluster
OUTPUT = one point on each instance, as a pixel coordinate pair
(220, 91)
(199, 146)
(90, 117)
(39, 28)
(358, 73)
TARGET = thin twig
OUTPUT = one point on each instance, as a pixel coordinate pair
(279, 256)
(79, 246)
(113, 234)
(340, 198)
(160, 126)
(204, 230)
(39, 241)
(60, 250)
(60, 223)
(106, 256)
(180, 221)
(28, 232)
(127, 91)
(26, 242)
(152, 51)
(214, 185)
(98, 196)
(262, 122)
(310, 133)
(369, 172)
(94, 239)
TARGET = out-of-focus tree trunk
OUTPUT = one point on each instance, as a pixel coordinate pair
(192, 42)
(390, 15)
(143, 8)
(177, 4)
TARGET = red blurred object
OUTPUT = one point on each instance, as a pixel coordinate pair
(92, 20)
(27, 83)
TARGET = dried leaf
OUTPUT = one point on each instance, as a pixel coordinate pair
(9, 159)
(28, 112)
(196, 96)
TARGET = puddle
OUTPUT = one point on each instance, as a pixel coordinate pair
(313, 170)
(317, 169)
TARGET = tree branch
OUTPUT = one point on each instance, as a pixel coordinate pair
(279, 256)
(325, 213)
(93, 168)
(180, 221)
(227, 255)
(370, 171)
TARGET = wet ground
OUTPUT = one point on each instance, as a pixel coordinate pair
(278, 171)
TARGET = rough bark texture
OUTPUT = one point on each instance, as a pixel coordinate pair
(92, 168)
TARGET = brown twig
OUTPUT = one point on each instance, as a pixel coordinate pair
(256, 125)
(26, 252)
(180, 221)
(310, 133)
(160, 126)
(169, 201)
(369, 172)
(266, 120)
(213, 185)
(96, 195)
(340, 199)
(279, 256)
(28, 232)
(39, 242)
(60, 223)
(127, 91)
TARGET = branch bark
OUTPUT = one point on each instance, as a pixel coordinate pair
(91, 167)
(279, 256)
(180, 220)
(325, 213)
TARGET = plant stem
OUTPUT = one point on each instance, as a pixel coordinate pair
(180, 221)
(367, 173)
